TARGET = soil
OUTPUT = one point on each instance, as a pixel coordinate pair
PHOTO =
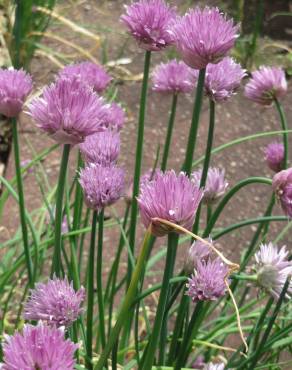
(236, 118)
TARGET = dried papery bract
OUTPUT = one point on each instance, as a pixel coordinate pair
(15, 86)
(174, 77)
(149, 22)
(55, 302)
(266, 85)
(212, 366)
(69, 111)
(39, 347)
(90, 73)
(273, 268)
(204, 36)
(274, 156)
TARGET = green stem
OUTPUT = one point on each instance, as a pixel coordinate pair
(59, 211)
(90, 293)
(207, 159)
(169, 132)
(229, 195)
(128, 301)
(150, 350)
(195, 123)
(21, 202)
(99, 279)
(77, 213)
(139, 153)
(284, 127)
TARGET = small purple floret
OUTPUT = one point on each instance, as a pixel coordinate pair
(171, 197)
(90, 73)
(114, 118)
(55, 302)
(15, 86)
(266, 85)
(38, 347)
(102, 186)
(212, 366)
(149, 21)
(69, 111)
(223, 79)
(273, 268)
(282, 186)
(207, 283)
(204, 36)
(174, 77)
(274, 156)
(101, 148)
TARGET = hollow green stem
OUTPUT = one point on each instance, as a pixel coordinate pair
(99, 279)
(284, 127)
(187, 166)
(90, 292)
(21, 202)
(207, 159)
(59, 211)
(229, 195)
(169, 132)
(128, 301)
(168, 270)
(139, 153)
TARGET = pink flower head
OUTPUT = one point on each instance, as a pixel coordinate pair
(101, 148)
(282, 186)
(69, 111)
(114, 118)
(174, 77)
(223, 79)
(102, 186)
(38, 347)
(149, 22)
(55, 302)
(171, 197)
(212, 366)
(216, 184)
(15, 86)
(273, 269)
(204, 36)
(266, 85)
(90, 73)
(207, 283)
(199, 363)
(274, 155)
(198, 251)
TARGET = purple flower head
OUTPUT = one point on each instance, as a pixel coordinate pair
(199, 363)
(204, 36)
(266, 85)
(174, 77)
(274, 156)
(15, 86)
(212, 366)
(273, 268)
(223, 79)
(149, 22)
(114, 118)
(90, 73)
(69, 111)
(55, 302)
(198, 251)
(171, 197)
(282, 186)
(102, 186)
(38, 347)
(101, 148)
(216, 184)
(207, 283)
